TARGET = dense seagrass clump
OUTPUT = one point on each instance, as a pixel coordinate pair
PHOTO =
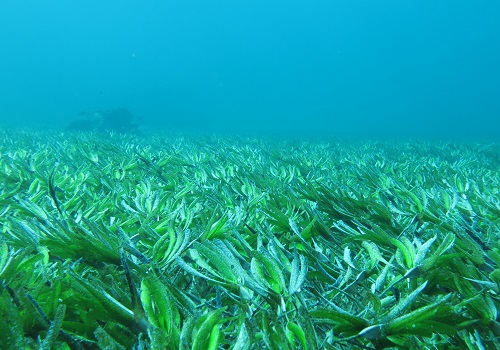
(114, 241)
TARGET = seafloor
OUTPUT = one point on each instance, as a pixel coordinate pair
(164, 242)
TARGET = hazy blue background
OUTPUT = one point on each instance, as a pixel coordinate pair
(425, 68)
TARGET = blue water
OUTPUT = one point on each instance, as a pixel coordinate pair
(377, 69)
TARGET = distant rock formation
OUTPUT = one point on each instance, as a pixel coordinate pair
(117, 120)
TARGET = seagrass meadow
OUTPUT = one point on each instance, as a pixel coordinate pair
(181, 242)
